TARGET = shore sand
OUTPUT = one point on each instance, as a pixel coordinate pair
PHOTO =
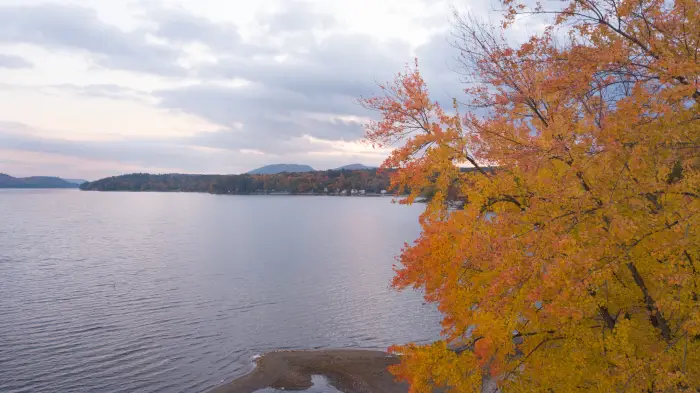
(348, 370)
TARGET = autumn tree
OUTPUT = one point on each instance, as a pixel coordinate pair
(573, 264)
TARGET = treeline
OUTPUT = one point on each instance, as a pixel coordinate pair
(318, 182)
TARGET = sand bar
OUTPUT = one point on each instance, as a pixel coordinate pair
(349, 370)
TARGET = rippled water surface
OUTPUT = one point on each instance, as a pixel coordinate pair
(175, 292)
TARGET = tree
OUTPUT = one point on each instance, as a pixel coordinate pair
(573, 264)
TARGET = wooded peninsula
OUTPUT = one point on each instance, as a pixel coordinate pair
(334, 182)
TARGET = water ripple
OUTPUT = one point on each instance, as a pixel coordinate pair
(128, 292)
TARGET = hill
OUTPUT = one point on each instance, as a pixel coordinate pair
(315, 182)
(354, 167)
(332, 181)
(281, 168)
(7, 181)
(76, 181)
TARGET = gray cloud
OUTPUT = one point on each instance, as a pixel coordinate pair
(228, 105)
(270, 116)
(101, 91)
(77, 28)
(14, 62)
(276, 136)
(177, 26)
(347, 64)
(326, 79)
(298, 16)
(439, 66)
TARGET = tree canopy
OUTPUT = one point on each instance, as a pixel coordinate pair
(574, 265)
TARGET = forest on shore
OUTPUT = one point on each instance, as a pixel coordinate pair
(371, 181)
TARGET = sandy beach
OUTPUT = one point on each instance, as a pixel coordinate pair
(349, 370)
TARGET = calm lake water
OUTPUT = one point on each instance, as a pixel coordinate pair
(176, 292)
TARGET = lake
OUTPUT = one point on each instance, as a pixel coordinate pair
(177, 292)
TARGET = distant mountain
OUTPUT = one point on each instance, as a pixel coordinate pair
(279, 168)
(76, 181)
(7, 181)
(354, 167)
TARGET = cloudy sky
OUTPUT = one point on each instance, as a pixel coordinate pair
(94, 88)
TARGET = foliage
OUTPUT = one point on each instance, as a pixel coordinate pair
(372, 181)
(573, 266)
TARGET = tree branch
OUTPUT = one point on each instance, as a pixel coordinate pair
(655, 315)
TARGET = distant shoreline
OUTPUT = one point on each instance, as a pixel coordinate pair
(319, 182)
(348, 370)
(372, 195)
(39, 187)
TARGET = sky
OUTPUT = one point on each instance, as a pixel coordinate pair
(96, 88)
